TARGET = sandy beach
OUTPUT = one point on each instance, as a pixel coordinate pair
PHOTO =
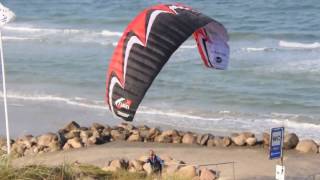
(250, 163)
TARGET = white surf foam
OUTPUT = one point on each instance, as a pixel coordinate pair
(14, 38)
(298, 45)
(30, 29)
(257, 49)
(51, 98)
(110, 33)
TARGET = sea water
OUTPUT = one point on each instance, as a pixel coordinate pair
(57, 53)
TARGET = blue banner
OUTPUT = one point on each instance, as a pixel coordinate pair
(276, 142)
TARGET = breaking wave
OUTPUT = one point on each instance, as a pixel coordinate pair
(298, 45)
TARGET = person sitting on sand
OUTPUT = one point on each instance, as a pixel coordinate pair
(155, 162)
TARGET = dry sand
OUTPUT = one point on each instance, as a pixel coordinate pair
(250, 163)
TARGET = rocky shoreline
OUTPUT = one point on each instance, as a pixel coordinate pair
(74, 136)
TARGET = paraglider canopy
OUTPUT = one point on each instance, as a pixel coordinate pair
(147, 44)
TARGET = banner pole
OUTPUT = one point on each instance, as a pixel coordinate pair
(4, 95)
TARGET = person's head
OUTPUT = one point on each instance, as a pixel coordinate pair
(151, 153)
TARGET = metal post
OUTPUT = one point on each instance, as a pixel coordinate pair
(5, 95)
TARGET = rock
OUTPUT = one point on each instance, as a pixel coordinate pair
(176, 139)
(48, 142)
(27, 140)
(203, 139)
(239, 140)
(117, 135)
(187, 172)
(48, 139)
(163, 139)
(247, 135)
(307, 146)
(118, 164)
(290, 141)
(147, 168)
(266, 139)
(172, 169)
(71, 134)
(171, 133)
(188, 138)
(226, 141)
(97, 127)
(86, 134)
(17, 150)
(135, 137)
(222, 141)
(153, 132)
(71, 126)
(31, 151)
(67, 146)
(143, 127)
(136, 164)
(75, 143)
(126, 126)
(207, 174)
(251, 141)
(211, 142)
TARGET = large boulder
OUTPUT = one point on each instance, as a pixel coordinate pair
(222, 141)
(136, 165)
(85, 134)
(74, 143)
(172, 169)
(266, 139)
(307, 146)
(163, 139)
(202, 139)
(17, 150)
(152, 133)
(147, 168)
(176, 139)
(247, 135)
(239, 140)
(116, 165)
(97, 127)
(171, 132)
(126, 126)
(45, 139)
(189, 138)
(71, 126)
(27, 140)
(211, 141)
(71, 134)
(187, 172)
(50, 141)
(119, 135)
(290, 141)
(135, 137)
(251, 141)
(207, 174)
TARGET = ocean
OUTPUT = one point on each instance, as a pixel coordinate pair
(57, 53)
